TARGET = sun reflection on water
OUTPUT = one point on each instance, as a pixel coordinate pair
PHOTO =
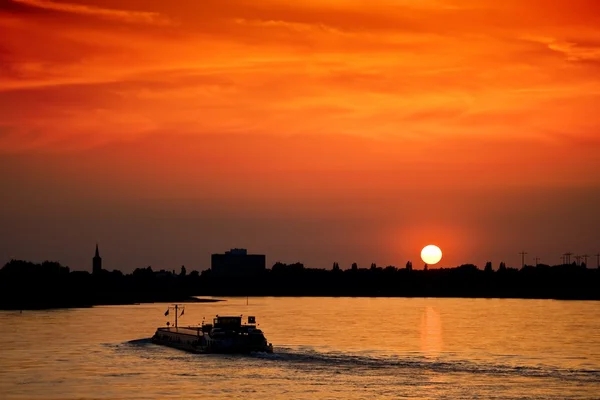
(431, 332)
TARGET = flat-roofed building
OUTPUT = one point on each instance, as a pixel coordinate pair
(237, 262)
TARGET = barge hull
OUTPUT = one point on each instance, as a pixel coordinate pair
(194, 340)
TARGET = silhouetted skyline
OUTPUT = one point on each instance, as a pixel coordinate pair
(25, 285)
(203, 261)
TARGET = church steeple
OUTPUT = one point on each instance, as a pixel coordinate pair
(96, 262)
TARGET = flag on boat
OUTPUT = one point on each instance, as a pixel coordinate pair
(182, 311)
(167, 312)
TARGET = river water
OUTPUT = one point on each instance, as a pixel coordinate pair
(325, 348)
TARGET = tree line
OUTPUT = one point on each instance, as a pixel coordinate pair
(27, 285)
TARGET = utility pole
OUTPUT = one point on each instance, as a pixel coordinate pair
(585, 257)
(537, 261)
(522, 258)
(568, 257)
(562, 260)
(577, 260)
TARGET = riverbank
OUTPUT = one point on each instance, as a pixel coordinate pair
(25, 285)
(50, 304)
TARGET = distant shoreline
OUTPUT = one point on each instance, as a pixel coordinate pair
(197, 300)
(75, 304)
(25, 285)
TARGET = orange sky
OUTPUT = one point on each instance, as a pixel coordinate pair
(313, 131)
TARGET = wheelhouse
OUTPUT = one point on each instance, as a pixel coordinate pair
(228, 323)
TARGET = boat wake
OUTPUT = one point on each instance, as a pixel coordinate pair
(139, 342)
(312, 359)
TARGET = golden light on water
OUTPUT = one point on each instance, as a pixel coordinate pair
(431, 332)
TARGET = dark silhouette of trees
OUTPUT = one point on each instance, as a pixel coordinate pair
(26, 285)
(467, 280)
(488, 267)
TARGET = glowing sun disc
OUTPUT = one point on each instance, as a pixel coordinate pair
(431, 254)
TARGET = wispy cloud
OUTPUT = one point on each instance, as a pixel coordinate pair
(108, 13)
(571, 50)
(392, 69)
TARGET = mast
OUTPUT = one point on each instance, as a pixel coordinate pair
(176, 308)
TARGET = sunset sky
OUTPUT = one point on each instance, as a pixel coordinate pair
(312, 131)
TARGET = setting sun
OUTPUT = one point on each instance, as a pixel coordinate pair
(431, 254)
